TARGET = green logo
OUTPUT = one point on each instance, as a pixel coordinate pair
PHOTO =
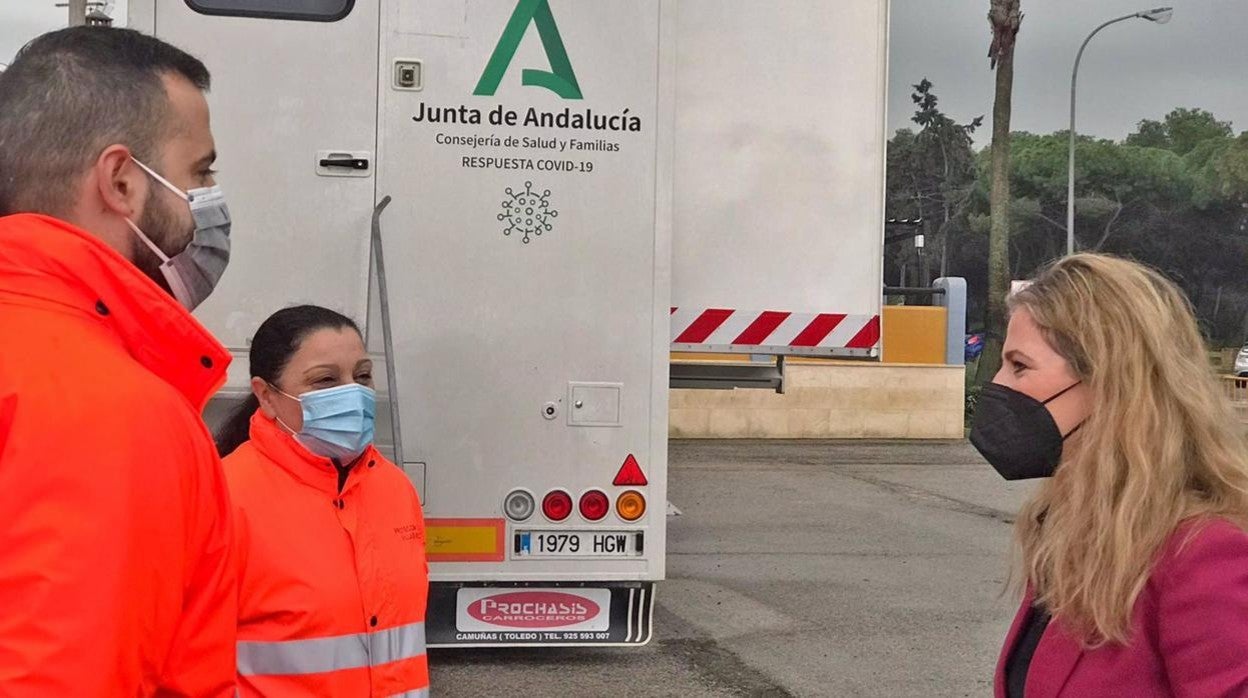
(561, 79)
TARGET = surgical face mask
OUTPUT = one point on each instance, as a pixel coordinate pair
(338, 422)
(193, 273)
(1016, 433)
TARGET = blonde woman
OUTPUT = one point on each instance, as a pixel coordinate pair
(1134, 552)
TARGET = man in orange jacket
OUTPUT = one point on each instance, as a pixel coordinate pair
(117, 576)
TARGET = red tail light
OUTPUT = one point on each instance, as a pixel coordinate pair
(594, 505)
(557, 505)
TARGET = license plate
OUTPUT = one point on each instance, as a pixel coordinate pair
(533, 544)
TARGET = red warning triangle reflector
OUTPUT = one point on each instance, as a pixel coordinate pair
(630, 474)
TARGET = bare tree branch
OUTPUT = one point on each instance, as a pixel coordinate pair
(1110, 225)
(1056, 224)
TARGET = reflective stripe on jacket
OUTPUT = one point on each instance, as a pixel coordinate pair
(116, 568)
(334, 584)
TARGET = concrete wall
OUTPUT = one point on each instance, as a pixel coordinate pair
(842, 400)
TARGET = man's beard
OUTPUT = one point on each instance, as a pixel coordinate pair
(160, 225)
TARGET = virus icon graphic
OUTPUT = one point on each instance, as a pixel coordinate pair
(527, 212)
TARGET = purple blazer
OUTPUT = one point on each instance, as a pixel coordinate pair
(1189, 630)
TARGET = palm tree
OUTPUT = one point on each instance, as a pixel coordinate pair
(1005, 17)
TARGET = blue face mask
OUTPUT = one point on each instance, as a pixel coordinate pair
(338, 422)
(193, 273)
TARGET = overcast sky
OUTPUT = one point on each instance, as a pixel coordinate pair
(1131, 70)
(23, 20)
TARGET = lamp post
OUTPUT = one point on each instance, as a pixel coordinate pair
(77, 12)
(1159, 15)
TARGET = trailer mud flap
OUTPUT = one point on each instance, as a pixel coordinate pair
(528, 615)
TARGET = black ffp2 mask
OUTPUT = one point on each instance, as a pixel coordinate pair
(1016, 433)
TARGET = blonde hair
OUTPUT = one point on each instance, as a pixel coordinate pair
(1161, 446)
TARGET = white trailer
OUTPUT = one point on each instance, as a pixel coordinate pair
(524, 162)
(779, 175)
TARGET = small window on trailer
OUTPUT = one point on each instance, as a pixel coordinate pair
(304, 10)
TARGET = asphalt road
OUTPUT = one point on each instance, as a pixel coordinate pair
(802, 569)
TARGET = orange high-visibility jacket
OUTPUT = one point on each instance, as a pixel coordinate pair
(333, 584)
(117, 575)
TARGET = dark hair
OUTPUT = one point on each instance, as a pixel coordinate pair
(68, 95)
(275, 342)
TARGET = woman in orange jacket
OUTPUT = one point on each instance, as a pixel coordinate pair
(333, 578)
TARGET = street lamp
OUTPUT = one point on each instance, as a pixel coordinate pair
(1159, 15)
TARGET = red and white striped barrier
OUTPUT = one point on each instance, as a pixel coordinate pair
(744, 329)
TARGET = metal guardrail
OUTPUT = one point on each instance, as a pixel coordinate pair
(913, 291)
(769, 376)
(1236, 389)
(915, 295)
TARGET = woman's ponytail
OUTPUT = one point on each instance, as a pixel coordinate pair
(237, 429)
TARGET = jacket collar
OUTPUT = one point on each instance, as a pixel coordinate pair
(1053, 662)
(45, 262)
(276, 444)
(1007, 649)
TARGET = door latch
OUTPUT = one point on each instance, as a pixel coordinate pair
(343, 163)
(350, 163)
